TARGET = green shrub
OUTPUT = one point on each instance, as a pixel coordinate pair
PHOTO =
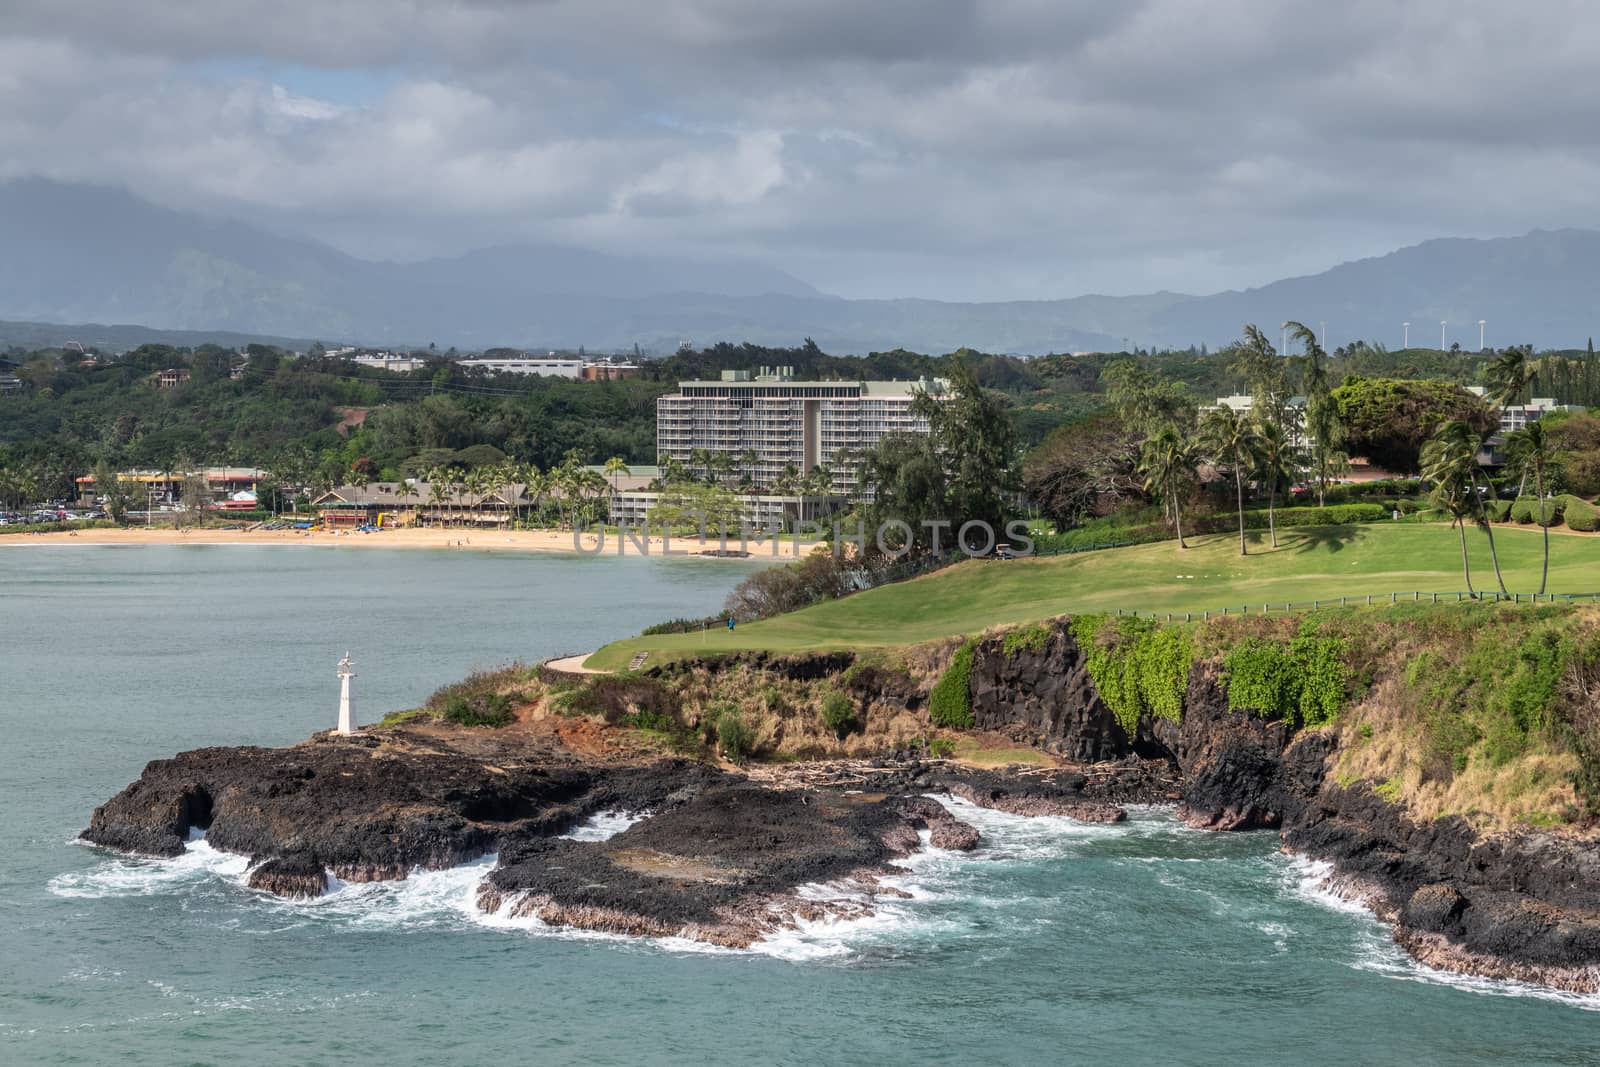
(1302, 682)
(950, 703)
(1026, 639)
(684, 626)
(1487, 698)
(734, 736)
(1497, 510)
(482, 709)
(1580, 514)
(1138, 668)
(941, 748)
(480, 699)
(839, 713)
(1526, 510)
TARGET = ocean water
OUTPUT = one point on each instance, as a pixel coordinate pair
(1053, 942)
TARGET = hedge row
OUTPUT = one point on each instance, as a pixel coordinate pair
(1580, 514)
(1525, 510)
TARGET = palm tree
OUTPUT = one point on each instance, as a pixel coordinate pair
(534, 484)
(404, 489)
(1450, 462)
(1531, 452)
(700, 462)
(1278, 461)
(1233, 442)
(1509, 375)
(818, 483)
(616, 467)
(1321, 415)
(1167, 463)
(787, 483)
(438, 487)
(672, 469)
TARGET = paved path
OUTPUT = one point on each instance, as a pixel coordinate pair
(573, 664)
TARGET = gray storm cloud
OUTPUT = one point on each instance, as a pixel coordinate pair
(951, 148)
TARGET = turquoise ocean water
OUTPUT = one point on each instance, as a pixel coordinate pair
(1138, 943)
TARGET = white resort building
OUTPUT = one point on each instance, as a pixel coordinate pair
(770, 421)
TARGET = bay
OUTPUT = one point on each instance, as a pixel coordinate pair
(1138, 943)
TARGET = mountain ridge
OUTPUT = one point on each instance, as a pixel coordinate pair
(98, 254)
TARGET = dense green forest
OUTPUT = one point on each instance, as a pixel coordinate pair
(75, 410)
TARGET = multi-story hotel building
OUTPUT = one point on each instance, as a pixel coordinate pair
(769, 421)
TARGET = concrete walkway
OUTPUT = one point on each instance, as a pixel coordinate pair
(572, 664)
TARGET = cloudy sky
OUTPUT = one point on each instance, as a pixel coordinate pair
(958, 149)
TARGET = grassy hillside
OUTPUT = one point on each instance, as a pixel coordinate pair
(1309, 563)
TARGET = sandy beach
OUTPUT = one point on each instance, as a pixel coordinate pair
(559, 541)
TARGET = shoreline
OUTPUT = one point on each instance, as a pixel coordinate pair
(559, 542)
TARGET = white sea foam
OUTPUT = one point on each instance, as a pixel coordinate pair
(132, 876)
(604, 825)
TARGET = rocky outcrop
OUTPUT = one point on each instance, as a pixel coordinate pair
(725, 867)
(720, 858)
(1035, 797)
(1044, 697)
(296, 874)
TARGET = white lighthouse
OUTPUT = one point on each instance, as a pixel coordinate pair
(347, 708)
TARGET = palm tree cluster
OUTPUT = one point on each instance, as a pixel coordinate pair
(1250, 450)
(574, 490)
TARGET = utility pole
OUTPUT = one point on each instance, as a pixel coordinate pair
(1405, 337)
(1442, 345)
(1481, 324)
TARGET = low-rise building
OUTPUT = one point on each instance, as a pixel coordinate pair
(172, 377)
(396, 362)
(166, 487)
(550, 367)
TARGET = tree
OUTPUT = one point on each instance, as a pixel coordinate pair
(120, 493)
(1258, 362)
(819, 483)
(404, 489)
(1450, 462)
(1278, 463)
(1167, 464)
(616, 467)
(195, 497)
(1083, 469)
(1233, 443)
(1389, 419)
(1146, 401)
(788, 483)
(1508, 377)
(438, 488)
(1321, 414)
(1530, 451)
(910, 483)
(971, 435)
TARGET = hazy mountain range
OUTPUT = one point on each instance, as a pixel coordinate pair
(75, 254)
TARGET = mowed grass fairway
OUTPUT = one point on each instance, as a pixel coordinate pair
(1309, 563)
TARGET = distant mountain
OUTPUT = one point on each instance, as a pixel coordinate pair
(88, 254)
(1538, 288)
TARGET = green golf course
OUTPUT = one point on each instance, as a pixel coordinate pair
(1309, 563)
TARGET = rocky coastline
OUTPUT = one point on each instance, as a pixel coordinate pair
(1521, 905)
(728, 856)
(720, 857)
